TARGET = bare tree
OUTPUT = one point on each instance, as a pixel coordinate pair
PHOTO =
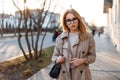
(19, 32)
(45, 32)
(34, 27)
(2, 26)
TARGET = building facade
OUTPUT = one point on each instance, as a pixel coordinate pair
(112, 8)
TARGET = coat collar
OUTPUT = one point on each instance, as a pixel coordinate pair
(66, 35)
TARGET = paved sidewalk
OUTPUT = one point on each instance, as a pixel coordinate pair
(106, 67)
(42, 74)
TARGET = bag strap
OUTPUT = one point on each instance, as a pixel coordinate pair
(62, 48)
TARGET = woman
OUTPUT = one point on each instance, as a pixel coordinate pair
(74, 49)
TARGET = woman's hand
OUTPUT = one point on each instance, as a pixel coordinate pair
(76, 61)
(60, 60)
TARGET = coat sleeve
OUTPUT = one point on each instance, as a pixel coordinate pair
(91, 51)
(57, 49)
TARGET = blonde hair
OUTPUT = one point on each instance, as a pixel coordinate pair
(81, 24)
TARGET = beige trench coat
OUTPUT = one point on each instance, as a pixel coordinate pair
(86, 49)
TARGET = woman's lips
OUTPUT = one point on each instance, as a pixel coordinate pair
(72, 26)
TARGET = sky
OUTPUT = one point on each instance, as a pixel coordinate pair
(92, 10)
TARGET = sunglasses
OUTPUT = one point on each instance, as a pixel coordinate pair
(70, 21)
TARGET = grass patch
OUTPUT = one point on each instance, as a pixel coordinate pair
(20, 69)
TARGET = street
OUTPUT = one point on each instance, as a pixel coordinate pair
(9, 47)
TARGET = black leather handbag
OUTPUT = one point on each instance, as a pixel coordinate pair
(54, 73)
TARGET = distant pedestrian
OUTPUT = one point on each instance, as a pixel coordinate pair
(55, 35)
(74, 49)
(93, 31)
(99, 33)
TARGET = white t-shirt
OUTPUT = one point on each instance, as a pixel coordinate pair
(73, 37)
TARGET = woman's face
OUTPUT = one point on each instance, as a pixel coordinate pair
(72, 22)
